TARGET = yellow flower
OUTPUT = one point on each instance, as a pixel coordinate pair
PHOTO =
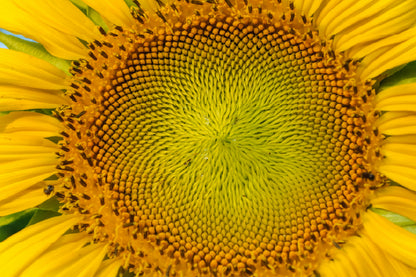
(208, 138)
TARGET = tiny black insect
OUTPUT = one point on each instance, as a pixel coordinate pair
(368, 175)
(48, 190)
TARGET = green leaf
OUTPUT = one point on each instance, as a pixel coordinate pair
(129, 3)
(80, 4)
(52, 204)
(40, 215)
(97, 18)
(54, 139)
(397, 219)
(405, 75)
(90, 13)
(42, 111)
(411, 228)
(13, 223)
(34, 49)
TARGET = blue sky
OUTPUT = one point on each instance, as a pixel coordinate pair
(2, 44)
(7, 32)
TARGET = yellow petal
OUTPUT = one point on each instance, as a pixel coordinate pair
(310, 7)
(331, 269)
(21, 175)
(20, 69)
(23, 200)
(405, 139)
(109, 268)
(63, 252)
(362, 260)
(14, 98)
(396, 241)
(399, 163)
(8, 154)
(83, 263)
(26, 157)
(347, 10)
(399, 268)
(322, 19)
(24, 247)
(394, 19)
(397, 200)
(380, 31)
(61, 15)
(388, 265)
(360, 256)
(28, 93)
(374, 49)
(30, 124)
(116, 11)
(340, 264)
(399, 153)
(59, 44)
(397, 123)
(13, 148)
(152, 5)
(397, 98)
(401, 174)
(400, 54)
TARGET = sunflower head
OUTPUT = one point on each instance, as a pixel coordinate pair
(226, 138)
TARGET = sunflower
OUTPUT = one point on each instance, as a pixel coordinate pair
(208, 138)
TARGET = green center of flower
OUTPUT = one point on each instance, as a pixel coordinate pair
(226, 144)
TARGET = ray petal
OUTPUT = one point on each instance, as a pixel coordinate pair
(397, 123)
(380, 31)
(116, 11)
(24, 199)
(349, 19)
(405, 175)
(397, 98)
(26, 157)
(393, 56)
(65, 253)
(20, 69)
(24, 247)
(16, 179)
(85, 263)
(14, 98)
(360, 256)
(374, 49)
(58, 43)
(395, 240)
(34, 124)
(109, 268)
(397, 200)
(310, 7)
(344, 261)
(398, 19)
(399, 153)
(61, 15)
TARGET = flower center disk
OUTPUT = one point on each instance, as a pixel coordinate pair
(234, 145)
